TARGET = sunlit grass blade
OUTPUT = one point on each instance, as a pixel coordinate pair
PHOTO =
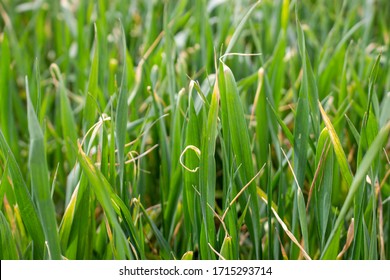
(66, 224)
(101, 188)
(187, 256)
(227, 248)
(361, 172)
(75, 229)
(338, 149)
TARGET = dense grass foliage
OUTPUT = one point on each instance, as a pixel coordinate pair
(194, 129)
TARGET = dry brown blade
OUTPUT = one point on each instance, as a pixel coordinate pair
(215, 213)
(385, 179)
(10, 214)
(387, 157)
(348, 243)
(135, 158)
(300, 256)
(291, 236)
(241, 191)
(146, 55)
(291, 169)
(284, 253)
(198, 153)
(149, 51)
(109, 231)
(134, 251)
(6, 19)
(141, 155)
(215, 251)
(288, 232)
(220, 219)
(95, 127)
(176, 230)
(260, 75)
(143, 133)
(381, 233)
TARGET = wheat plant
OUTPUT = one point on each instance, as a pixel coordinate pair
(194, 129)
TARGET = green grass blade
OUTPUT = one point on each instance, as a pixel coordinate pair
(6, 115)
(91, 95)
(75, 228)
(164, 245)
(175, 186)
(301, 142)
(308, 87)
(241, 148)
(121, 116)
(35, 90)
(269, 206)
(191, 179)
(8, 247)
(122, 211)
(355, 133)
(40, 182)
(240, 27)
(68, 123)
(169, 52)
(385, 114)
(284, 127)
(227, 248)
(207, 177)
(333, 247)
(26, 206)
(4, 184)
(323, 185)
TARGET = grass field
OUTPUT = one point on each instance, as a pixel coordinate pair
(199, 129)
